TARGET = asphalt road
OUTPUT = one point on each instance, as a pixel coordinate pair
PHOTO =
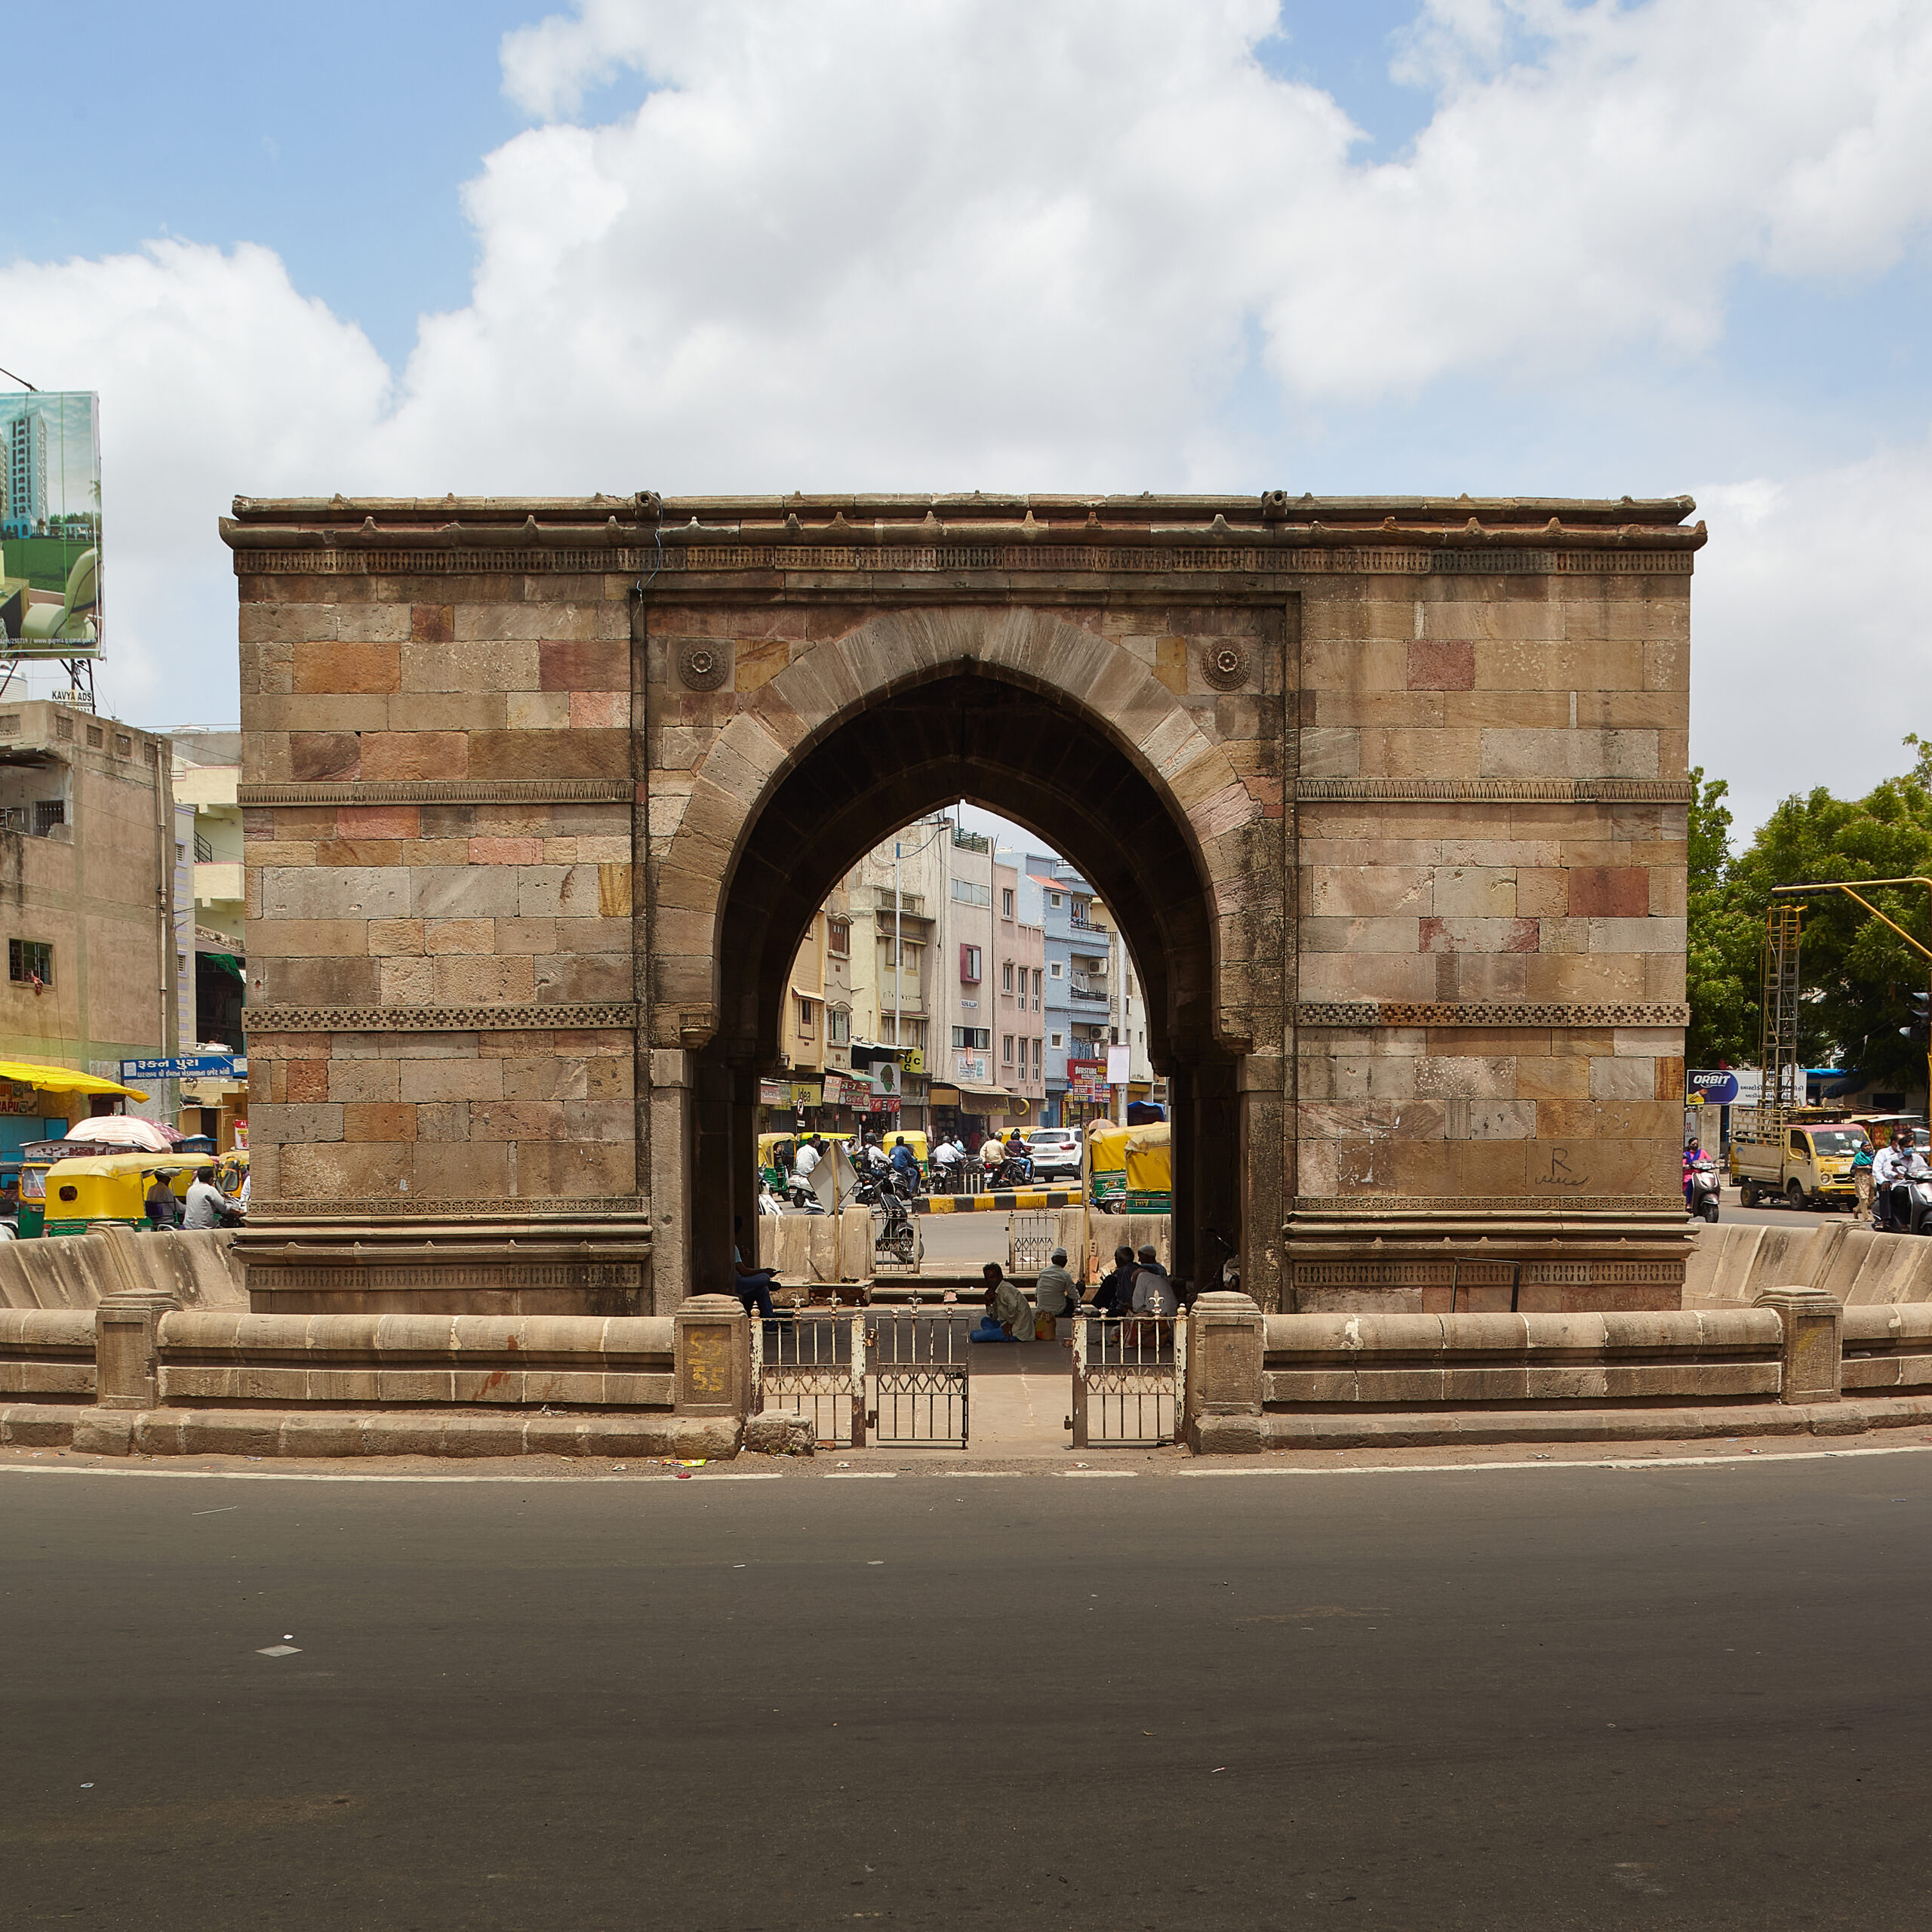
(1542, 1698)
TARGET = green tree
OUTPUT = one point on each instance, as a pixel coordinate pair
(1858, 974)
(1721, 971)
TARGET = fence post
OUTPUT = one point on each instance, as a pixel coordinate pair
(1223, 1395)
(126, 1330)
(713, 1358)
(1813, 1362)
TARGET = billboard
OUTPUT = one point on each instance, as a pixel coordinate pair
(49, 524)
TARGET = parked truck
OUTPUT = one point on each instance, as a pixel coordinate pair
(1794, 1156)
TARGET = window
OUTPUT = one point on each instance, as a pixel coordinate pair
(63, 727)
(1058, 1039)
(123, 746)
(152, 753)
(969, 965)
(805, 1013)
(1006, 1048)
(1129, 983)
(29, 962)
(47, 813)
(968, 1037)
(1054, 969)
(1052, 900)
(968, 893)
(838, 937)
(837, 1025)
(10, 724)
(1005, 895)
(1006, 977)
(1036, 989)
(96, 737)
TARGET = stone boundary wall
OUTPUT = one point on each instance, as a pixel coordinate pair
(618, 1362)
(1405, 1361)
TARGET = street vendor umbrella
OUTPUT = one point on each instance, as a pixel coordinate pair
(121, 1131)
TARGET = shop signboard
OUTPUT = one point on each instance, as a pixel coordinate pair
(973, 1067)
(186, 1067)
(1712, 1089)
(914, 1059)
(775, 1093)
(49, 524)
(805, 1092)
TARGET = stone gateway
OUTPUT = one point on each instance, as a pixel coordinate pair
(1388, 796)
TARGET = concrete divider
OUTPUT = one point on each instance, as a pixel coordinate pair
(78, 1270)
(1732, 1264)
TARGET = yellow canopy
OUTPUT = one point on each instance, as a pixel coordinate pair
(63, 1080)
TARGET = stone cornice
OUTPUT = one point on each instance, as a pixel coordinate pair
(1271, 532)
(1489, 1013)
(443, 791)
(257, 1020)
(477, 1217)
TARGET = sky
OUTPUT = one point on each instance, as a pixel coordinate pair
(1507, 247)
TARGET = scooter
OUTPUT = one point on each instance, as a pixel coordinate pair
(799, 1191)
(1918, 1189)
(1700, 1189)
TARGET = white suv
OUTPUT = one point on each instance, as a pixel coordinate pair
(1056, 1153)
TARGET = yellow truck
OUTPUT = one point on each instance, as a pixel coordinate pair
(1806, 1164)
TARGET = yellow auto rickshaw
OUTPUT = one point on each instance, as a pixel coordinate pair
(1130, 1170)
(110, 1190)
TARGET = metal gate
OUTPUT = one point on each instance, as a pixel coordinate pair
(1030, 1240)
(1129, 1378)
(918, 1366)
(813, 1360)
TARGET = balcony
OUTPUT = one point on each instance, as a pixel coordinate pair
(1081, 923)
(217, 881)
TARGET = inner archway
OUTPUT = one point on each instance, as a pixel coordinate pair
(1035, 756)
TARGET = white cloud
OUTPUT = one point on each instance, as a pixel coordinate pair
(1810, 658)
(930, 244)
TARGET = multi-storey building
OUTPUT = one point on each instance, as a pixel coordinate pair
(25, 452)
(88, 881)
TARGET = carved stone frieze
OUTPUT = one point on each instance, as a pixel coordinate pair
(1464, 1207)
(1493, 791)
(443, 791)
(440, 1019)
(1489, 1013)
(420, 1207)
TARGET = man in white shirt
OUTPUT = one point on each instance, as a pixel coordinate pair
(1891, 1169)
(206, 1202)
(807, 1159)
(946, 1157)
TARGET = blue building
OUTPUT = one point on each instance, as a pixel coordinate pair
(1078, 1010)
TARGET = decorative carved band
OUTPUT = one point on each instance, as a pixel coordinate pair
(444, 791)
(1487, 1013)
(1462, 1272)
(1464, 1206)
(447, 1275)
(1301, 553)
(1497, 791)
(440, 1019)
(495, 1208)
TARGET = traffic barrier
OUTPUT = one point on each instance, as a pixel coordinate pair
(1002, 1202)
(77, 1270)
(1732, 1264)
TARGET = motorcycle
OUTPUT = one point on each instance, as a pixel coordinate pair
(1014, 1171)
(1701, 1185)
(799, 1191)
(897, 1240)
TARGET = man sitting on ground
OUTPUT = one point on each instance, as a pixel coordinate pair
(1114, 1296)
(1055, 1293)
(1009, 1315)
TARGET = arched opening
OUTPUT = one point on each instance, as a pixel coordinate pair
(1032, 756)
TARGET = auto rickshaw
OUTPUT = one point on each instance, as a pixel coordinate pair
(1150, 1170)
(1104, 1162)
(110, 1190)
(1130, 1170)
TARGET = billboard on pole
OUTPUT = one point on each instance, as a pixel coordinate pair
(49, 524)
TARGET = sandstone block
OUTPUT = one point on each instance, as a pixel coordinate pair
(409, 755)
(336, 667)
(566, 754)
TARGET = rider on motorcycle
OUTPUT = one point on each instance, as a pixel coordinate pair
(1893, 1170)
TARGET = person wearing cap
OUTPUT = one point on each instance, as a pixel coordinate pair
(1153, 1292)
(1055, 1293)
(1009, 1315)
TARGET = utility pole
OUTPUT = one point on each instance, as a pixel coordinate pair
(1924, 951)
